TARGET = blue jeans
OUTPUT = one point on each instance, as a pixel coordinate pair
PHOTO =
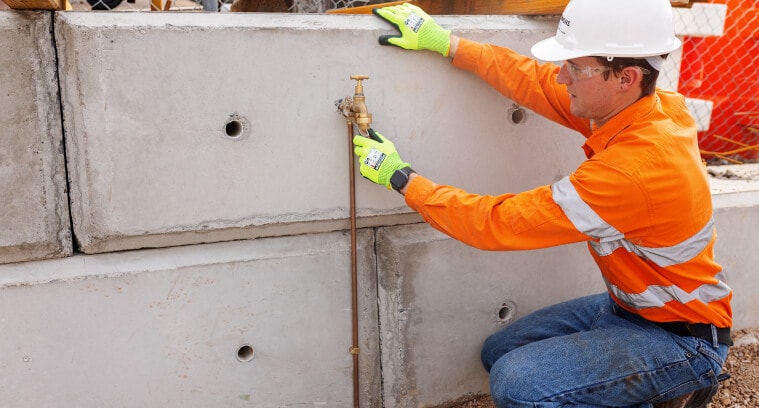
(589, 352)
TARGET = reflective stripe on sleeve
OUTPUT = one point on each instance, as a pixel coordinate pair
(580, 214)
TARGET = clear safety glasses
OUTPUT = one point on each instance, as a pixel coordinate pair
(577, 72)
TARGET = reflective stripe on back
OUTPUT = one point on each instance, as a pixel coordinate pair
(657, 296)
(610, 239)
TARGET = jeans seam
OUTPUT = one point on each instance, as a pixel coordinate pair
(707, 352)
(598, 317)
(709, 378)
(579, 391)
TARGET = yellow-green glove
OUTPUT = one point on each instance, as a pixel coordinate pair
(377, 158)
(418, 30)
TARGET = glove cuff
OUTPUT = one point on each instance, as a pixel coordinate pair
(438, 41)
(386, 172)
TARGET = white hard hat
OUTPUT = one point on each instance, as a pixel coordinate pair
(611, 28)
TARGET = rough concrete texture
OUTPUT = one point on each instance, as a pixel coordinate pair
(33, 205)
(736, 217)
(733, 178)
(440, 299)
(164, 327)
(146, 98)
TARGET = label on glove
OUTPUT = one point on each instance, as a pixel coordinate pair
(414, 22)
(374, 159)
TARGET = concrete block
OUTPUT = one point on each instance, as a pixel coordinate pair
(669, 77)
(733, 178)
(735, 215)
(168, 327)
(440, 299)
(700, 20)
(701, 110)
(147, 99)
(33, 206)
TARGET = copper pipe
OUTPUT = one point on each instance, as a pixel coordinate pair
(353, 108)
(354, 269)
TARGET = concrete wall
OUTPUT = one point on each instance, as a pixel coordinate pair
(249, 229)
(33, 204)
(146, 99)
(165, 327)
(440, 299)
(736, 217)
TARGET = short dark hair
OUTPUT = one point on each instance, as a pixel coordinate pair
(647, 84)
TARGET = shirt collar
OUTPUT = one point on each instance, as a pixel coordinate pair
(601, 136)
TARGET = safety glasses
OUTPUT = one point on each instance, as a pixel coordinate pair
(577, 72)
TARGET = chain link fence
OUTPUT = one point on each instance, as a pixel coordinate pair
(720, 73)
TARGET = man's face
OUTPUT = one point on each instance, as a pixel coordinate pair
(591, 95)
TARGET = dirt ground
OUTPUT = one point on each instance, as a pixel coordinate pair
(740, 391)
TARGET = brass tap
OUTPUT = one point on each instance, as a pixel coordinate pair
(354, 108)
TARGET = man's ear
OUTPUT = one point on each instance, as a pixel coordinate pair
(630, 76)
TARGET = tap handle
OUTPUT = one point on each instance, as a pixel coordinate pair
(359, 85)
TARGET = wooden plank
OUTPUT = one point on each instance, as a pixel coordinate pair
(478, 7)
(440, 7)
(685, 3)
(160, 5)
(366, 9)
(37, 4)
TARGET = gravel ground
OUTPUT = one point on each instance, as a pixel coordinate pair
(740, 391)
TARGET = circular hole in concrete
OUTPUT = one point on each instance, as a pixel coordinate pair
(517, 114)
(236, 127)
(233, 128)
(507, 312)
(245, 353)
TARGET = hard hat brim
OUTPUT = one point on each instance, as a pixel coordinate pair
(551, 50)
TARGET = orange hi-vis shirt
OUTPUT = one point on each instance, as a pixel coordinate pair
(641, 200)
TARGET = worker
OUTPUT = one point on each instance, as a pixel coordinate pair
(659, 335)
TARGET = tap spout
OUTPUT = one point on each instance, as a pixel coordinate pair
(354, 108)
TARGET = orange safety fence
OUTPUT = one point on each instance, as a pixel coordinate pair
(725, 71)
